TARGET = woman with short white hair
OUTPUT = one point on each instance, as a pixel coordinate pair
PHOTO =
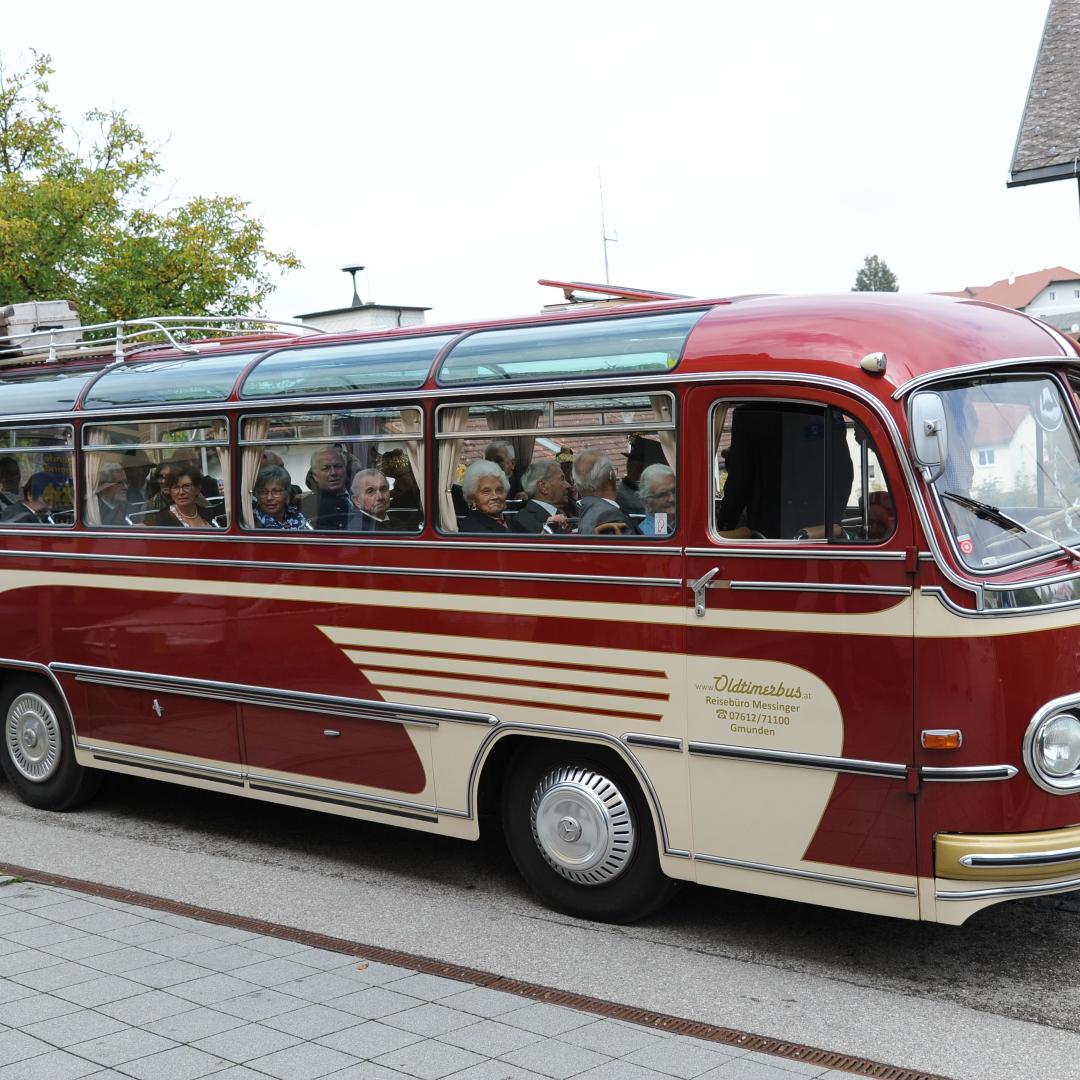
(657, 490)
(485, 488)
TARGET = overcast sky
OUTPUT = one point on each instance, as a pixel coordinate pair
(453, 147)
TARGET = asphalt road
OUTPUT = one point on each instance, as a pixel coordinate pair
(998, 997)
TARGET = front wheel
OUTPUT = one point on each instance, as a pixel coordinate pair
(37, 755)
(581, 836)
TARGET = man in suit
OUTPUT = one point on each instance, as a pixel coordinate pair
(327, 505)
(598, 509)
(547, 489)
(370, 500)
(112, 495)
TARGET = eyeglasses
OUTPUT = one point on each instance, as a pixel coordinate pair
(182, 488)
(273, 492)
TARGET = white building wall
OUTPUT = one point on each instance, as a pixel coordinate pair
(1059, 296)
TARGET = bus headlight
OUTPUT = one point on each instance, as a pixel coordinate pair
(1058, 745)
(1052, 747)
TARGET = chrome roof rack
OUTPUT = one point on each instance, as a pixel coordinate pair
(126, 337)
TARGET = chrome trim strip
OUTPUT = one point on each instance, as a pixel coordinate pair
(376, 803)
(973, 773)
(154, 761)
(809, 875)
(355, 708)
(766, 550)
(961, 372)
(883, 769)
(1036, 889)
(1028, 858)
(672, 552)
(653, 742)
(800, 587)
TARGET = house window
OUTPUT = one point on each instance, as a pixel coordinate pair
(1053, 295)
(1076, 294)
(986, 457)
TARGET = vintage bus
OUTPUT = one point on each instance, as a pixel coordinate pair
(838, 663)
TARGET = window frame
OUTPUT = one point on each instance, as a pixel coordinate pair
(51, 448)
(321, 410)
(199, 420)
(863, 467)
(595, 393)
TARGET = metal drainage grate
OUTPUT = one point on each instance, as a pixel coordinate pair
(744, 1040)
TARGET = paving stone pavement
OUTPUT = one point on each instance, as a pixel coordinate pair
(95, 988)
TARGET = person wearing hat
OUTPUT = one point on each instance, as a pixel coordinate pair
(643, 452)
(406, 503)
(137, 468)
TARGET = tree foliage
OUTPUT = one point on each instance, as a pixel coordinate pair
(77, 222)
(875, 276)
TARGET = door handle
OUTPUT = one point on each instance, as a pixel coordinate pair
(698, 587)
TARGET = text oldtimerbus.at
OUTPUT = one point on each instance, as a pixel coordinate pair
(779, 595)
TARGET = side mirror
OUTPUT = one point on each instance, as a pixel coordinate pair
(929, 434)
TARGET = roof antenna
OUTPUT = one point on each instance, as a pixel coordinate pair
(353, 269)
(603, 226)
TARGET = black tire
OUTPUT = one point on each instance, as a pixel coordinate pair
(581, 834)
(36, 748)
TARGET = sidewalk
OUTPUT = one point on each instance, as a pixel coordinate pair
(94, 987)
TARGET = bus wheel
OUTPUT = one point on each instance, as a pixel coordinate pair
(37, 754)
(580, 833)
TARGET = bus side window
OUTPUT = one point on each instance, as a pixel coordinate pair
(37, 475)
(794, 471)
(128, 465)
(599, 466)
(346, 471)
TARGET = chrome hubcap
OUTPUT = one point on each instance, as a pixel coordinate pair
(582, 825)
(32, 735)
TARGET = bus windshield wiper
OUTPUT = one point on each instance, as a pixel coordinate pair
(986, 512)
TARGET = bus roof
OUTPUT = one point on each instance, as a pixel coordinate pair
(828, 334)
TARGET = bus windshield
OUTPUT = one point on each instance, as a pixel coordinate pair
(1010, 490)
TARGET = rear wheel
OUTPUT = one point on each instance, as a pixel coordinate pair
(581, 835)
(37, 754)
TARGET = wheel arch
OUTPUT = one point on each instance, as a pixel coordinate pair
(506, 743)
(10, 669)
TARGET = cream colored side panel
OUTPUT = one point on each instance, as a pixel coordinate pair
(809, 891)
(745, 810)
(576, 691)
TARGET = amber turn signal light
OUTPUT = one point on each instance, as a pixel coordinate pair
(942, 739)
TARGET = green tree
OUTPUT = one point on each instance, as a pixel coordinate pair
(77, 222)
(875, 276)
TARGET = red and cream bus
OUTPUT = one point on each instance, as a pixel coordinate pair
(841, 665)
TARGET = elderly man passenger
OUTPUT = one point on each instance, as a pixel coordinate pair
(327, 504)
(657, 488)
(371, 501)
(548, 489)
(112, 495)
(485, 488)
(598, 509)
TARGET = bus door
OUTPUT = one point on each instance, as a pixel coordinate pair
(799, 642)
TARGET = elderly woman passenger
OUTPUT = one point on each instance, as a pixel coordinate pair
(657, 489)
(272, 491)
(485, 487)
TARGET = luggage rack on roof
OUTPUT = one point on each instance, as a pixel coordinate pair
(127, 337)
